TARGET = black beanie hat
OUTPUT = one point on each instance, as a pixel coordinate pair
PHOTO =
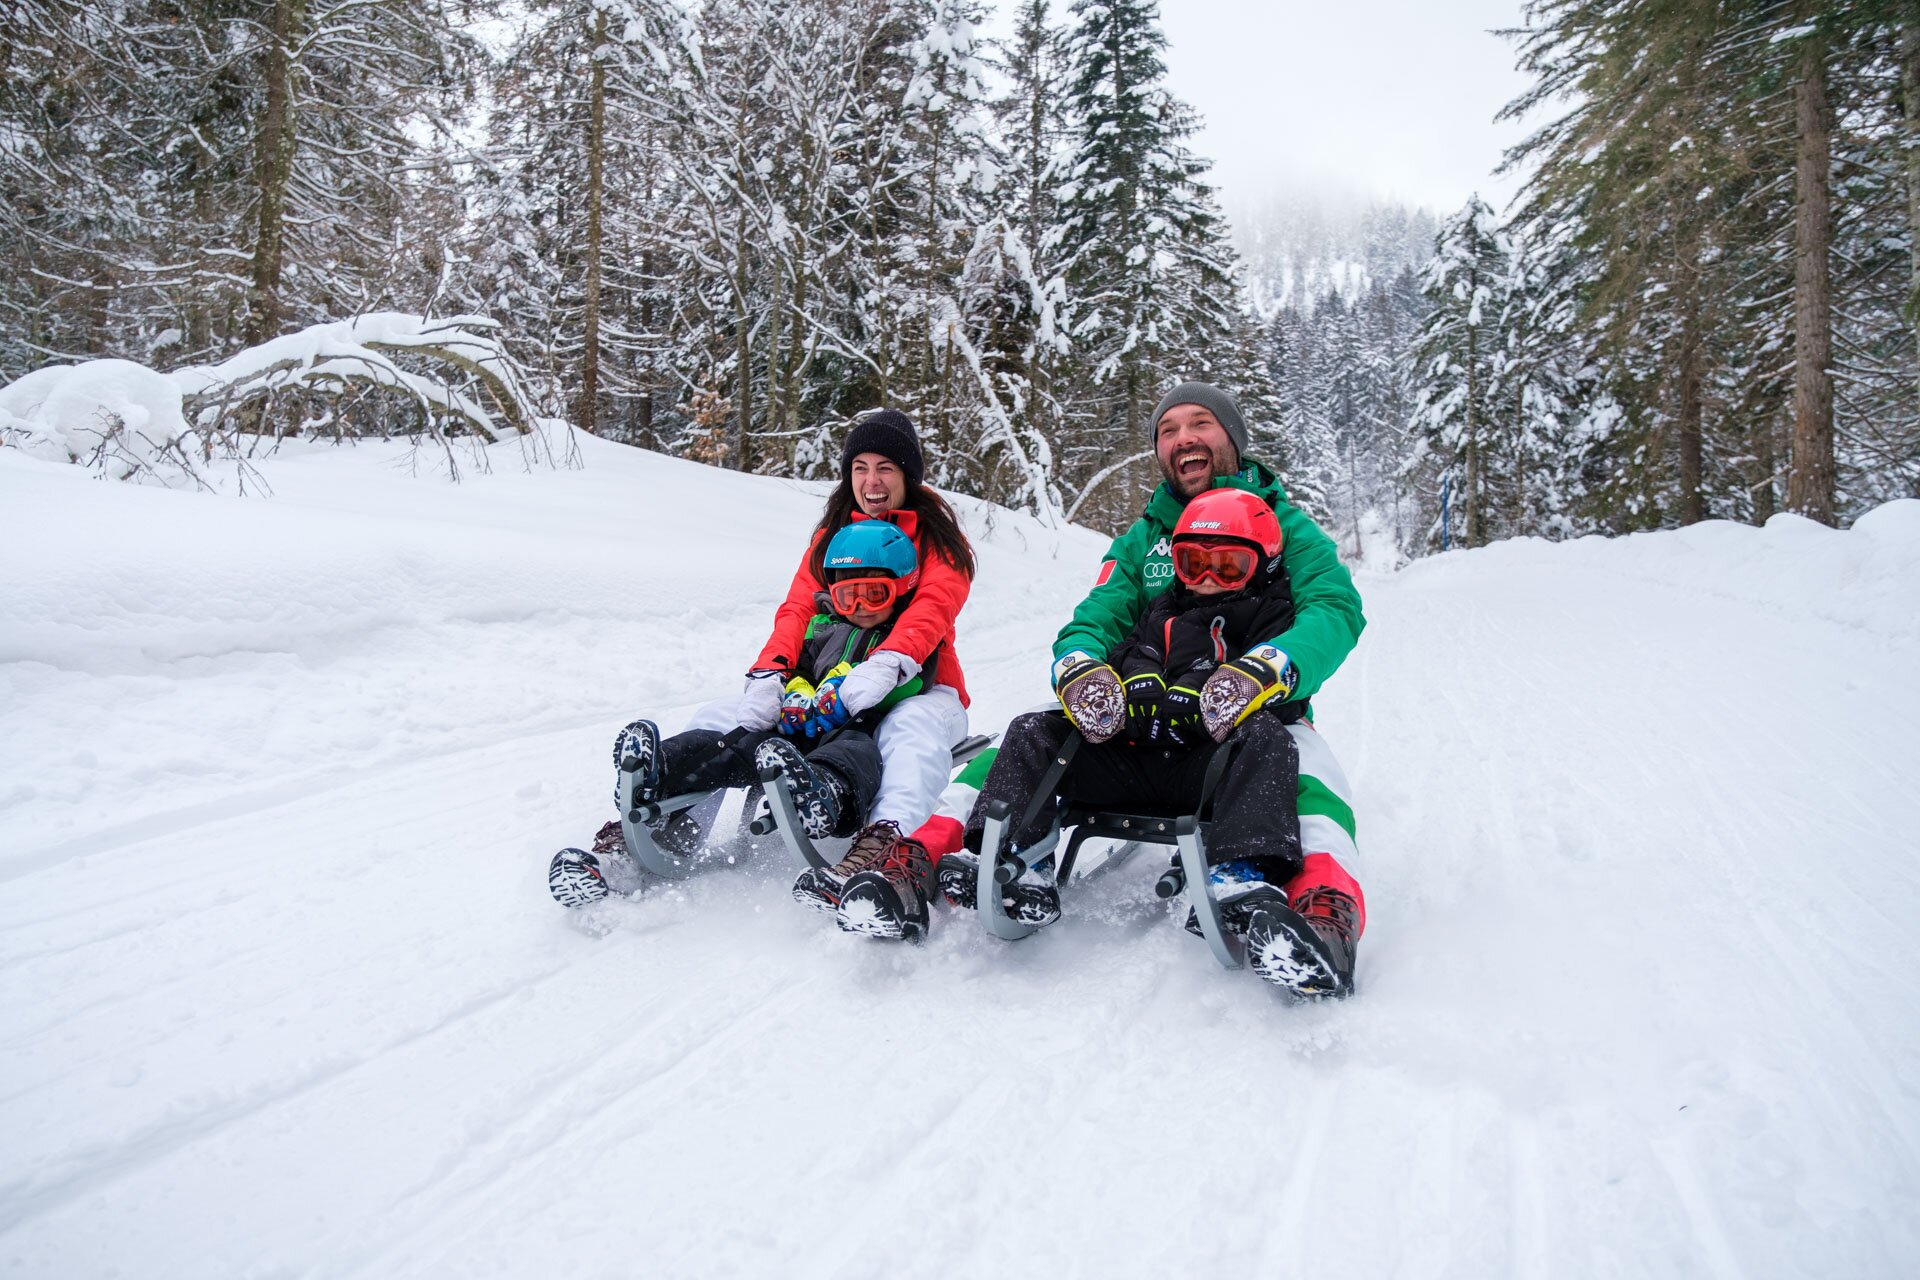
(1214, 401)
(889, 433)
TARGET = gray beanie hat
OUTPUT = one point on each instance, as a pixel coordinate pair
(1214, 401)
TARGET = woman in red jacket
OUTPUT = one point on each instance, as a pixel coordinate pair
(881, 472)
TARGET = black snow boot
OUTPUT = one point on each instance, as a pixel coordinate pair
(1241, 889)
(580, 878)
(819, 794)
(1029, 899)
(636, 750)
(1306, 947)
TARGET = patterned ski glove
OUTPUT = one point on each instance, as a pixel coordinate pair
(870, 682)
(796, 707)
(1239, 688)
(1090, 691)
(1144, 692)
(1180, 715)
(829, 713)
(759, 707)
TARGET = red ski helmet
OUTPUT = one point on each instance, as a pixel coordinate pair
(1230, 513)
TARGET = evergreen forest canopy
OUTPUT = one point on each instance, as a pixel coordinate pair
(720, 229)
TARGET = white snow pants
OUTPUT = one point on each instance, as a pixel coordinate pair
(1326, 798)
(916, 741)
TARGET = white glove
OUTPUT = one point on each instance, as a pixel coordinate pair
(760, 702)
(874, 679)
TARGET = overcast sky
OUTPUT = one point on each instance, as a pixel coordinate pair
(1389, 97)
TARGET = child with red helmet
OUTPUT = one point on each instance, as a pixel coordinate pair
(1188, 682)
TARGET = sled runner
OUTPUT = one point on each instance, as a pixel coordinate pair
(1000, 865)
(778, 813)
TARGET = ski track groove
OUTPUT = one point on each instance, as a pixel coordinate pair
(1530, 1245)
(252, 803)
(511, 1157)
(104, 1164)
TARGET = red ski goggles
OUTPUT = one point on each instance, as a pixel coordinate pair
(1229, 564)
(872, 594)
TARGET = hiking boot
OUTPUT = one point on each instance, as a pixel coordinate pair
(890, 901)
(819, 794)
(820, 887)
(1306, 947)
(579, 878)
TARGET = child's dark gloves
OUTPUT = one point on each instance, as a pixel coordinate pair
(1144, 692)
(1180, 716)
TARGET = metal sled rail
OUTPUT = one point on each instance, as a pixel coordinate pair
(1000, 865)
(781, 816)
(634, 825)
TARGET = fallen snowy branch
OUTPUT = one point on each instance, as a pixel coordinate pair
(384, 374)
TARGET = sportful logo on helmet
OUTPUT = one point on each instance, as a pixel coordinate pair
(1205, 524)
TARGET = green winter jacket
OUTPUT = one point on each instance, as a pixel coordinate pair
(1139, 565)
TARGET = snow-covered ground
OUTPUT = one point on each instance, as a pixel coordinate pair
(282, 992)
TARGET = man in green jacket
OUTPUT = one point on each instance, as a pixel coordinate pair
(1200, 439)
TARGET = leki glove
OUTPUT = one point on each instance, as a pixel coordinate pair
(1144, 692)
(1180, 716)
(1239, 688)
(795, 707)
(1090, 691)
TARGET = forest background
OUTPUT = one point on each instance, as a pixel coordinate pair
(720, 229)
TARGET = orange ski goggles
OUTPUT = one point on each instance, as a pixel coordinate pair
(871, 594)
(1229, 564)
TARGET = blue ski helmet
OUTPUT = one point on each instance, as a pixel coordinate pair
(876, 546)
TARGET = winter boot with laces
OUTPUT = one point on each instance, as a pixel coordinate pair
(819, 794)
(820, 887)
(579, 878)
(1307, 947)
(890, 901)
(1031, 899)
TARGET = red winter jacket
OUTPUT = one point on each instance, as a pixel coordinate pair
(924, 626)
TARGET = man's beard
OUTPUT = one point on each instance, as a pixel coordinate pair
(1216, 466)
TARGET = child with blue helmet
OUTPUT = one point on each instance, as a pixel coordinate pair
(831, 762)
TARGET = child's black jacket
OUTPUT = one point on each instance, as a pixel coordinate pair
(1183, 636)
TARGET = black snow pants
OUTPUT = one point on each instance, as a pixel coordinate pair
(695, 761)
(1255, 808)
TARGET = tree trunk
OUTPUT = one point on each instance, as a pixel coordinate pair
(1910, 101)
(273, 171)
(742, 346)
(1687, 432)
(1810, 480)
(586, 412)
(1472, 503)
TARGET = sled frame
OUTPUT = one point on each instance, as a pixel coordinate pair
(780, 815)
(1183, 832)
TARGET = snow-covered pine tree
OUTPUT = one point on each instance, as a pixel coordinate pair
(1459, 353)
(1151, 289)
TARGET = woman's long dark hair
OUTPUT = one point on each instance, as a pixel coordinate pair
(939, 528)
